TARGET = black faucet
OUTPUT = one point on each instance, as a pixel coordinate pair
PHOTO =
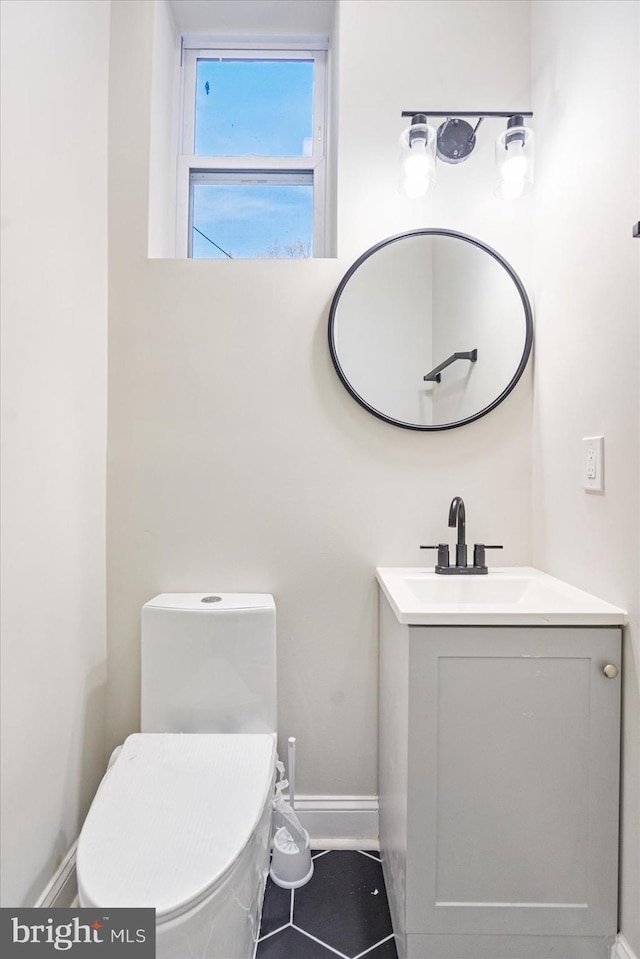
(457, 517)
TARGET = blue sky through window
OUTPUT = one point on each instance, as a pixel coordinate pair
(247, 107)
(254, 107)
(252, 221)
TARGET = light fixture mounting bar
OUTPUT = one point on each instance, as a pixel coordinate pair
(478, 113)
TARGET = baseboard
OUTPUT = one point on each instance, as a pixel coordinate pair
(622, 949)
(339, 822)
(63, 887)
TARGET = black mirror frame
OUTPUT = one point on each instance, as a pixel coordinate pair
(528, 316)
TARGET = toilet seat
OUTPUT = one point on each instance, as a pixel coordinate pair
(171, 817)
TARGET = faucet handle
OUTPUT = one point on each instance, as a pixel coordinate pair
(443, 553)
(479, 558)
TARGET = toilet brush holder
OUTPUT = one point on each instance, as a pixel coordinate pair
(291, 863)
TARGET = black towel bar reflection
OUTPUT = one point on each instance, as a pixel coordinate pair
(434, 375)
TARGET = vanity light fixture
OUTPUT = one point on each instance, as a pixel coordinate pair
(514, 160)
(454, 141)
(418, 157)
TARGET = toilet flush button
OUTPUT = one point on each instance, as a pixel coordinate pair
(211, 599)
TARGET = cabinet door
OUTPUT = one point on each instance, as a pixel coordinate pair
(513, 792)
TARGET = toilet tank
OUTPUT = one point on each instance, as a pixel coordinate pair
(209, 663)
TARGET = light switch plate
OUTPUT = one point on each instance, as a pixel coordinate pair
(593, 464)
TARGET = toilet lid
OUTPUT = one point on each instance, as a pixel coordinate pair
(171, 817)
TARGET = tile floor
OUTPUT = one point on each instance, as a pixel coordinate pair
(341, 911)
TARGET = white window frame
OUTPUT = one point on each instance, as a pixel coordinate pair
(197, 47)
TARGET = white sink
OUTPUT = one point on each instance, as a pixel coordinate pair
(505, 596)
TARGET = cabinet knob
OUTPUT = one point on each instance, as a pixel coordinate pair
(610, 671)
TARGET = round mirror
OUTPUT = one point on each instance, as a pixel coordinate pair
(430, 329)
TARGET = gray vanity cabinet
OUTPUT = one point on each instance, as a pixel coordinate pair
(498, 781)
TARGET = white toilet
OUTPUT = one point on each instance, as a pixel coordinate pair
(181, 820)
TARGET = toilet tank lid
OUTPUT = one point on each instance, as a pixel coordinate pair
(211, 602)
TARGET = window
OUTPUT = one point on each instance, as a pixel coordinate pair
(252, 170)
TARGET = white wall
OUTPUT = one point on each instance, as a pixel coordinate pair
(400, 55)
(237, 460)
(164, 146)
(54, 313)
(254, 16)
(587, 292)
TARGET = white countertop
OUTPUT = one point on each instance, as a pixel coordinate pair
(506, 596)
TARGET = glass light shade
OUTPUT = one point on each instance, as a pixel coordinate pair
(418, 145)
(514, 163)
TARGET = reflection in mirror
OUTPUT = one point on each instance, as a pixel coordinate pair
(430, 329)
